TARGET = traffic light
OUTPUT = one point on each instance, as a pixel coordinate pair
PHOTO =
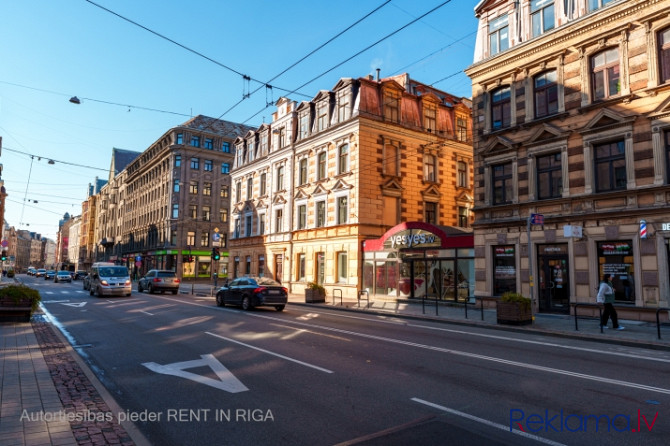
(215, 254)
(4, 255)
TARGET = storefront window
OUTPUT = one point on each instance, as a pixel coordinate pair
(617, 258)
(504, 269)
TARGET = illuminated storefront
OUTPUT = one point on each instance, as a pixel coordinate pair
(417, 260)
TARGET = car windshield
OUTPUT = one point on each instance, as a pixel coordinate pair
(114, 271)
(63, 273)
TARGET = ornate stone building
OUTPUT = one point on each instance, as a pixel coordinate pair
(350, 165)
(571, 103)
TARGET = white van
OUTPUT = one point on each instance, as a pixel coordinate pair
(107, 279)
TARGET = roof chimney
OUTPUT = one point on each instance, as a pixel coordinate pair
(378, 70)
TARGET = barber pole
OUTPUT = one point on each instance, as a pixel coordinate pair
(643, 229)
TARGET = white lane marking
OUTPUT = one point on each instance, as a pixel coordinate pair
(146, 312)
(76, 305)
(468, 354)
(227, 381)
(502, 338)
(487, 422)
(270, 353)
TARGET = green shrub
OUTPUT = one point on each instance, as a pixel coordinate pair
(315, 286)
(10, 273)
(515, 297)
(20, 292)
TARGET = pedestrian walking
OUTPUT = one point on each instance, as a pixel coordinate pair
(606, 297)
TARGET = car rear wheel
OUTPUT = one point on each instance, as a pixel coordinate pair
(175, 291)
(246, 303)
(139, 288)
(150, 289)
(219, 301)
(90, 291)
(280, 307)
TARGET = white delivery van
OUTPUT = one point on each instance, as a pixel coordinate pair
(107, 279)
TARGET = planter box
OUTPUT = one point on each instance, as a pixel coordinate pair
(13, 311)
(513, 313)
(314, 296)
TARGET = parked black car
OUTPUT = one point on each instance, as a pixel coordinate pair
(80, 275)
(250, 292)
(159, 280)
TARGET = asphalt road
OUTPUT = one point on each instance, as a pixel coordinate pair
(200, 375)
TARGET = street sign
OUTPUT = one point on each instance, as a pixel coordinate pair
(536, 219)
(4, 243)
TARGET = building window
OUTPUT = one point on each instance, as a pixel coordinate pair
(236, 231)
(664, 54)
(541, 16)
(209, 143)
(342, 105)
(251, 150)
(605, 74)
(193, 187)
(204, 238)
(302, 216)
(207, 189)
(463, 220)
(206, 213)
(502, 183)
(392, 107)
(342, 267)
(209, 164)
(238, 191)
(391, 157)
(504, 269)
(610, 165)
(391, 215)
(462, 174)
(173, 237)
(247, 226)
(322, 116)
(546, 94)
(261, 266)
(616, 257)
(223, 215)
(280, 178)
(225, 147)
(301, 267)
(302, 172)
(320, 214)
(279, 219)
(501, 108)
(342, 210)
(180, 138)
(177, 161)
(190, 238)
(430, 168)
(321, 166)
(175, 211)
(264, 144)
(195, 141)
(224, 192)
(596, 4)
(261, 224)
(549, 176)
(667, 156)
(248, 265)
(461, 129)
(282, 137)
(176, 183)
(263, 184)
(195, 163)
(239, 155)
(343, 159)
(430, 212)
(304, 125)
(498, 35)
(430, 119)
(225, 168)
(193, 211)
(250, 188)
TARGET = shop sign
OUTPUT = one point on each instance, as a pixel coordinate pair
(504, 251)
(665, 226)
(413, 238)
(615, 248)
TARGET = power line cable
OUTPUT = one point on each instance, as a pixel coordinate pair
(358, 53)
(39, 157)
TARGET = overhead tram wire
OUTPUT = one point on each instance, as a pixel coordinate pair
(267, 84)
(357, 54)
(190, 50)
(54, 160)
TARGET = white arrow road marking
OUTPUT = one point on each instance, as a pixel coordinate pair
(76, 305)
(226, 381)
(55, 301)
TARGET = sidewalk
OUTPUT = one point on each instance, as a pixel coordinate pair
(41, 379)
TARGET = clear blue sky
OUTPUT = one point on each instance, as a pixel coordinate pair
(52, 50)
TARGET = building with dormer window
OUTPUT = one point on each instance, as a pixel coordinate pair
(571, 103)
(343, 171)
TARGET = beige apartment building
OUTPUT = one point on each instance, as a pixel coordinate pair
(329, 179)
(169, 205)
(572, 150)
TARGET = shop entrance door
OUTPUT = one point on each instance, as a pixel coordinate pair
(554, 284)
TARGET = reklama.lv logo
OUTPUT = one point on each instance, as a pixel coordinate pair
(562, 422)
